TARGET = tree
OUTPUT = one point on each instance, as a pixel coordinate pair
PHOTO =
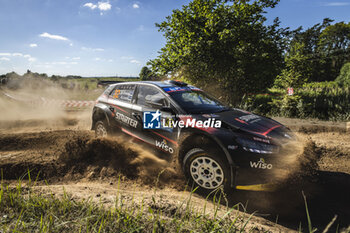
(344, 76)
(334, 43)
(327, 48)
(297, 70)
(145, 73)
(223, 42)
(316, 59)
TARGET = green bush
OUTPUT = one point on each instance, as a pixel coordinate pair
(344, 76)
(325, 100)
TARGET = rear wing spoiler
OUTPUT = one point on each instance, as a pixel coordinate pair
(107, 83)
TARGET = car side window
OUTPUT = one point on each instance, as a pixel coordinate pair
(108, 90)
(149, 96)
(123, 92)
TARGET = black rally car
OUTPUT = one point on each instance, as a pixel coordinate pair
(215, 145)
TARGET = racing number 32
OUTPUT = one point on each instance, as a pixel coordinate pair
(116, 94)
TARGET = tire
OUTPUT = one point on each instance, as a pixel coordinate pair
(205, 170)
(101, 129)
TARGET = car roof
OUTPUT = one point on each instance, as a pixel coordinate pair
(161, 84)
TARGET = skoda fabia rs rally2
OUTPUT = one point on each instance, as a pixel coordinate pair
(216, 146)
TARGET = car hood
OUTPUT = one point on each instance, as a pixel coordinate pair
(252, 123)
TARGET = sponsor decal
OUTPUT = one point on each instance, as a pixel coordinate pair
(187, 88)
(261, 140)
(193, 88)
(164, 146)
(191, 123)
(116, 94)
(126, 120)
(152, 120)
(123, 94)
(260, 164)
(251, 118)
(173, 89)
(210, 115)
(232, 147)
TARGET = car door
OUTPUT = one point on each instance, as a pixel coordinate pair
(150, 102)
(120, 105)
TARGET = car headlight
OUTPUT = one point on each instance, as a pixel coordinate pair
(257, 147)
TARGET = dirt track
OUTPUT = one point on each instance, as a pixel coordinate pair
(61, 150)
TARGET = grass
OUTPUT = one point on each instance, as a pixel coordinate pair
(23, 210)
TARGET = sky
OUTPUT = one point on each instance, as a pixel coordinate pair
(111, 37)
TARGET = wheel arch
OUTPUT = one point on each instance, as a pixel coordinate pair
(191, 140)
(99, 114)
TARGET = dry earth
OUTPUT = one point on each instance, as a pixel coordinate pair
(57, 147)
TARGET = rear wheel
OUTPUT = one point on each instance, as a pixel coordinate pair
(206, 170)
(101, 129)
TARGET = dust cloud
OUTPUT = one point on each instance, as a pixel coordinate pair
(298, 159)
(36, 104)
(91, 157)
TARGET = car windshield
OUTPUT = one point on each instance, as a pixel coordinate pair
(197, 102)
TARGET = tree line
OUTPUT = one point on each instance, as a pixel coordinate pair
(228, 45)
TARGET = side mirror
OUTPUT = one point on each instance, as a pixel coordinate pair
(161, 106)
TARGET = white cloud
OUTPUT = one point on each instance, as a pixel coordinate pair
(27, 56)
(97, 59)
(337, 4)
(17, 55)
(110, 60)
(5, 54)
(135, 61)
(104, 6)
(135, 6)
(53, 37)
(71, 44)
(76, 58)
(92, 49)
(90, 5)
(32, 59)
(33, 45)
(98, 50)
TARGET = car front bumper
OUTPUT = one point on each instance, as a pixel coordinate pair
(259, 172)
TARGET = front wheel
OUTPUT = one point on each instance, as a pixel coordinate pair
(101, 129)
(206, 170)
